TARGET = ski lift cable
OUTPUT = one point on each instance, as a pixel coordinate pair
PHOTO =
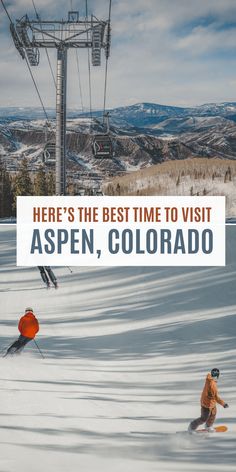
(80, 85)
(102, 144)
(78, 67)
(46, 50)
(37, 89)
(106, 68)
(27, 62)
(89, 65)
(6, 11)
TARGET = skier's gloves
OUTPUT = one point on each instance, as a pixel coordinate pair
(226, 405)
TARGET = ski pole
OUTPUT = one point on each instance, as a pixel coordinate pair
(39, 349)
(5, 349)
(71, 271)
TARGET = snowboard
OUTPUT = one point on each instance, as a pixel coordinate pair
(217, 429)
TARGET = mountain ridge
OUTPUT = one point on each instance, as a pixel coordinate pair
(141, 137)
(142, 108)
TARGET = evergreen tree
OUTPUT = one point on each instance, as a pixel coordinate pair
(23, 183)
(71, 188)
(6, 193)
(51, 187)
(41, 183)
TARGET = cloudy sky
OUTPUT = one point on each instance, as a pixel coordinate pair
(175, 52)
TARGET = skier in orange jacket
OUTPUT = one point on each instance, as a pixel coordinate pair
(28, 327)
(209, 399)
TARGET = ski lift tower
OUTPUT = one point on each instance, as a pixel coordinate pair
(31, 35)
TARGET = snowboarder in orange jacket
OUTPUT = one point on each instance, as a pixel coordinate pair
(28, 327)
(209, 399)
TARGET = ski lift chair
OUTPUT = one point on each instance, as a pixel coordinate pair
(102, 147)
(49, 153)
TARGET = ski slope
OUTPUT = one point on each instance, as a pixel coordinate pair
(127, 351)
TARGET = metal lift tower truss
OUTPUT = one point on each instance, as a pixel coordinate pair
(31, 35)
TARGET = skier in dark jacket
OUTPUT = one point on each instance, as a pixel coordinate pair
(48, 275)
(28, 327)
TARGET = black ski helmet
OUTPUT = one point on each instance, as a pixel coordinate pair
(215, 373)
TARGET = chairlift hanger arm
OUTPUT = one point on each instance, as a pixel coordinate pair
(44, 43)
(60, 44)
(37, 30)
(79, 33)
(59, 22)
(44, 31)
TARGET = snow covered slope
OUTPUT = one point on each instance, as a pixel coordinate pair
(127, 351)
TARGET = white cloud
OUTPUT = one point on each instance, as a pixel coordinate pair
(159, 50)
(204, 40)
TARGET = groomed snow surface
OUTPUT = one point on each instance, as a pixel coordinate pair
(127, 351)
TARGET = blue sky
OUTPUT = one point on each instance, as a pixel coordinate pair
(175, 52)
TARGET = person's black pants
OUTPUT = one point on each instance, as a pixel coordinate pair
(47, 274)
(18, 345)
(208, 416)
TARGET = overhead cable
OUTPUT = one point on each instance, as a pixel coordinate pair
(27, 63)
(47, 54)
(89, 65)
(106, 68)
(78, 67)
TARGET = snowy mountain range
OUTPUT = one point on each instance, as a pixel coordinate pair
(19, 139)
(138, 115)
(144, 134)
(149, 115)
